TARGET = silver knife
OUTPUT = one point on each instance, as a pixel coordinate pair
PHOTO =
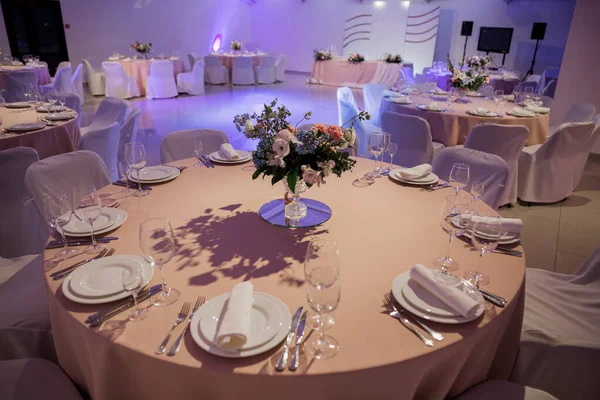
(62, 271)
(283, 360)
(210, 163)
(153, 291)
(65, 274)
(123, 303)
(299, 337)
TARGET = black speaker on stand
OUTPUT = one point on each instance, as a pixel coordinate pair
(538, 32)
(466, 31)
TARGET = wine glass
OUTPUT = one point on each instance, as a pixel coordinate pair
(459, 176)
(498, 96)
(157, 243)
(453, 96)
(86, 207)
(528, 95)
(485, 237)
(124, 171)
(386, 142)
(58, 212)
(375, 148)
(477, 189)
(62, 101)
(135, 155)
(133, 282)
(322, 272)
(330, 254)
(392, 149)
(454, 220)
(198, 150)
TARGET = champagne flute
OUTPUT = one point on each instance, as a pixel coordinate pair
(386, 142)
(198, 150)
(459, 176)
(392, 149)
(86, 207)
(135, 155)
(328, 253)
(157, 243)
(485, 237)
(375, 148)
(133, 283)
(58, 212)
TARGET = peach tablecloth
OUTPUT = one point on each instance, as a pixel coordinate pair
(42, 73)
(341, 72)
(381, 232)
(49, 141)
(452, 127)
(227, 60)
(140, 69)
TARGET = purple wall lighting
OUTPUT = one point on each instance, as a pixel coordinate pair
(216, 46)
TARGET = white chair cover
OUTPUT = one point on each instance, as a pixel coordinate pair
(413, 136)
(214, 72)
(345, 94)
(347, 108)
(266, 72)
(24, 230)
(192, 57)
(550, 172)
(192, 82)
(96, 80)
(547, 101)
(490, 169)
(59, 174)
(372, 96)
(581, 112)
(504, 390)
(35, 378)
(596, 147)
(118, 83)
(180, 144)
(128, 132)
(62, 81)
(63, 64)
(280, 67)
(161, 81)
(104, 142)
(72, 101)
(243, 73)
(505, 141)
(409, 76)
(110, 110)
(550, 88)
(17, 83)
(77, 82)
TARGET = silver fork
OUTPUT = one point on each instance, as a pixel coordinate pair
(434, 334)
(175, 348)
(185, 309)
(395, 314)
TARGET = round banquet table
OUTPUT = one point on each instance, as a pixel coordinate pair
(222, 241)
(49, 141)
(140, 69)
(501, 81)
(227, 61)
(452, 127)
(42, 73)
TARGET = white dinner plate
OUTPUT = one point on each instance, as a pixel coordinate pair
(51, 109)
(30, 126)
(473, 94)
(121, 217)
(207, 345)
(403, 279)
(428, 179)
(439, 93)
(426, 108)
(265, 320)
(63, 116)
(107, 217)
(504, 239)
(488, 115)
(103, 277)
(69, 294)
(156, 174)
(422, 299)
(244, 157)
(20, 104)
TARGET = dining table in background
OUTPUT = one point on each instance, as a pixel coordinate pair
(140, 69)
(341, 72)
(501, 80)
(42, 73)
(227, 60)
(222, 240)
(452, 127)
(49, 141)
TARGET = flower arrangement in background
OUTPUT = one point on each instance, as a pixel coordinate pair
(478, 62)
(236, 45)
(308, 155)
(356, 57)
(471, 78)
(393, 59)
(322, 55)
(142, 48)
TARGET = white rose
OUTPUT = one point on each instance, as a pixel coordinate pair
(285, 134)
(248, 126)
(281, 147)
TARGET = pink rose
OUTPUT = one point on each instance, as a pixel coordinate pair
(487, 79)
(285, 134)
(281, 147)
(310, 176)
(456, 71)
(335, 132)
(453, 79)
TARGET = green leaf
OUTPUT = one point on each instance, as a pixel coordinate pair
(292, 178)
(256, 173)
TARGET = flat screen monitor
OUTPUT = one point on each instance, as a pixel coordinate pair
(494, 40)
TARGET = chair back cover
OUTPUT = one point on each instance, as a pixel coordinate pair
(212, 61)
(128, 132)
(62, 80)
(413, 136)
(77, 81)
(372, 96)
(17, 83)
(162, 69)
(409, 76)
(95, 79)
(63, 64)
(192, 59)
(180, 144)
(581, 112)
(345, 94)
(243, 62)
(72, 101)
(490, 169)
(105, 142)
(268, 62)
(110, 110)
(280, 65)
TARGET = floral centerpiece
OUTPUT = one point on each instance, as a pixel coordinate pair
(236, 45)
(356, 57)
(142, 48)
(472, 77)
(478, 62)
(393, 59)
(322, 55)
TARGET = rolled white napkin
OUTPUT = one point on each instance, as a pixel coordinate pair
(521, 112)
(401, 99)
(509, 225)
(433, 105)
(483, 111)
(228, 152)
(234, 326)
(451, 296)
(539, 110)
(414, 172)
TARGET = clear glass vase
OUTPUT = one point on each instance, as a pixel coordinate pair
(294, 209)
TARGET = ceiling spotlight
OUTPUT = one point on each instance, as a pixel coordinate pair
(379, 3)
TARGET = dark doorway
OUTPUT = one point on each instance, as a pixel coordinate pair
(35, 27)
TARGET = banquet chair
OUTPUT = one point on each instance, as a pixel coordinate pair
(72, 101)
(104, 141)
(506, 141)
(266, 72)
(192, 82)
(242, 73)
(503, 390)
(96, 80)
(17, 83)
(28, 232)
(372, 96)
(35, 378)
(345, 94)
(409, 76)
(581, 112)
(117, 83)
(110, 110)
(61, 83)
(547, 101)
(62, 64)
(560, 337)
(77, 82)
(161, 81)
(347, 108)
(550, 172)
(490, 169)
(214, 72)
(128, 132)
(596, 146)
(413, 136)
(280, 67)
(549, 89)
(192, 57)
(523, 85)
(180, 144)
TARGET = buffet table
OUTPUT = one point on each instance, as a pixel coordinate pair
(341, 72)
(140, 69)
(42, 73)
(222, 241)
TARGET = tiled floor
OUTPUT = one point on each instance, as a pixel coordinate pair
(556, 237)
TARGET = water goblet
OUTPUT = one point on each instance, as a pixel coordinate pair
(133, 283)
(386, 142)
(124, 171)
(392, 149)
(498, 96)
(459, 176)
(135, 155)
(454, 220)
(322, 251)
(477, 189)
(198, 147)
(86, 207)
(58, 213)
(485, 237)
(375, 142)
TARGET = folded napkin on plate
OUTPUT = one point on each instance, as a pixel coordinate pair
(228, 152)
(234, 327)
(400, 99)
(540, 110)
(433, 106)
(509, 225)
(451, 296)
(483, 111)
(521, 112)
(414, 172)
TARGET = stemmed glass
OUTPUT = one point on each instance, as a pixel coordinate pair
(133, 282)
(477, 189)
(324, 249)
(392, 149)
(498, 96)
(62, 101)
(376, 141)
(58, 212)
(198, 147)
(322, 272)
(485, 237)
(87, 205)
(528, 95)
(124, 171)
(135, 155)
(452, 97)
(459, 176)
(454, 221)
(157, 243)
(386, 142)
